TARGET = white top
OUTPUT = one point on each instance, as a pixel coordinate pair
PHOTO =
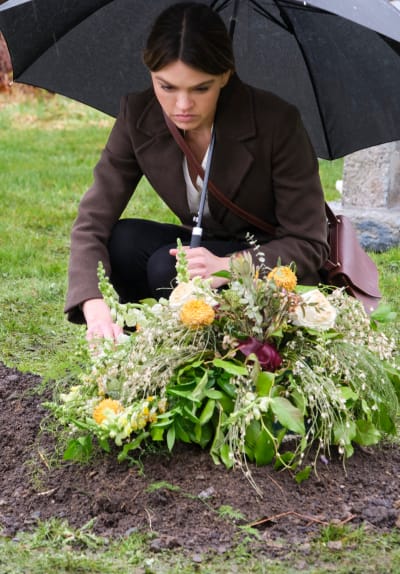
(194, 190)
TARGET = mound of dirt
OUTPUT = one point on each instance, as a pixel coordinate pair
(183, 498)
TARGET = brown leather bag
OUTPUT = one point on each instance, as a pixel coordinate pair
(348, 266)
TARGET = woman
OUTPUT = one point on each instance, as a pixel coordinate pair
(263, 161)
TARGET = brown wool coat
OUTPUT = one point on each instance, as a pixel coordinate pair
(263, 161)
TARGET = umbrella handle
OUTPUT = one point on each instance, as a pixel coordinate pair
(195, 240)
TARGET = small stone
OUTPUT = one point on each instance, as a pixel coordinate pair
(207, 493)
(335, 544)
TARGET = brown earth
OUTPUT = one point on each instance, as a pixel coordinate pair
(183, 499)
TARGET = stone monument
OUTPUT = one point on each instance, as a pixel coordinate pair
(371, 195)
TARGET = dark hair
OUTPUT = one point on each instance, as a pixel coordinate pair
(192, 33)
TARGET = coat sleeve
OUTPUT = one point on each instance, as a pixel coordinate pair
(116, 176)
(299, 203)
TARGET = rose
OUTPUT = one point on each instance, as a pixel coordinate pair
(182, 293)
(315, 311)
(197, 288)
(267, 355)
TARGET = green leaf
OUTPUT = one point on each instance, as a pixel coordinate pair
(299, 400)
(222, 273)
(225, 455)
(203, 434)
(343, 434)
(303, 475)
(394, 376)
(230, 367)
(218, 439)
(189, 415)
(157, 433)
(227, 387)
(226, 403)
(367, 433)
(264, 450)
(171, 437)
(214, 394)
(79, 449)
(348, 394)
(104, 444)
(264, 383)
(253, 431)
(383, 313)
(207, 412)
(181, 433)
(175, 391)
(198, 392)
(133, 445)
(285, 460)
(288, 415)
(384, 421)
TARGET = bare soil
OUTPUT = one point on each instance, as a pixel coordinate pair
(182, 498)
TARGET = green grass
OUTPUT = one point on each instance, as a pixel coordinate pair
(55, 548)
(48, 148)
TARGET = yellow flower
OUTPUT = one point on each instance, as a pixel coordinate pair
(152, 417)
(197, 313)
(284, 277)
(162, 405)
(100, 414)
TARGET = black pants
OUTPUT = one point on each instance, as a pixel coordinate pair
(141, 265)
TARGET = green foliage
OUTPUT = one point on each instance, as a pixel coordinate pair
(267, 362)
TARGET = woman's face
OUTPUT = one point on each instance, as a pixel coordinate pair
(188, 96)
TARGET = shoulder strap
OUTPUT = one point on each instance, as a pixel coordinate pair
(242, 213)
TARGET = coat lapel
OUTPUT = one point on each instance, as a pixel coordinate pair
(235, 125)
(161, 159)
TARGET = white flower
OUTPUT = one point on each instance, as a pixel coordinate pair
(182, 293)
(197, 288)
(315, 312)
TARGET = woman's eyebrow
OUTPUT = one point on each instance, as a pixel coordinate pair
(201, 85)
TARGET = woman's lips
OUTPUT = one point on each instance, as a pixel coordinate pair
(184, 118)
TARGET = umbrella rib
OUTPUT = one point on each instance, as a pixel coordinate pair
(264, 12)
(287, 21)
(286, 25)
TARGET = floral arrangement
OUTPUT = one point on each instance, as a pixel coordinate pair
(246, 371)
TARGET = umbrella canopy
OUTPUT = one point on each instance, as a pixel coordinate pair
(342, 69)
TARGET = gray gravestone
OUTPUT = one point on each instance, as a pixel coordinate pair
(371, 195)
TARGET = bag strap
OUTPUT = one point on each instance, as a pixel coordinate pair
(333, 262)
(333, 219)
(196, 166)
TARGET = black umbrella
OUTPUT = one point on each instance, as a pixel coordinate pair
(341, 70)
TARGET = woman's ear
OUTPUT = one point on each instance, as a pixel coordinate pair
(225, 78)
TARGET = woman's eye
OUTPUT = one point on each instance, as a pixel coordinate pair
(166, 88)
(202, 89)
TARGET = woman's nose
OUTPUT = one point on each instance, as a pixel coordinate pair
(184, 101)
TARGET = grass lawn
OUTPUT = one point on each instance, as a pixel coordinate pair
(48, 148)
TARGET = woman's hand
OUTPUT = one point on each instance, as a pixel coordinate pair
(203, 263)
(99, 322)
